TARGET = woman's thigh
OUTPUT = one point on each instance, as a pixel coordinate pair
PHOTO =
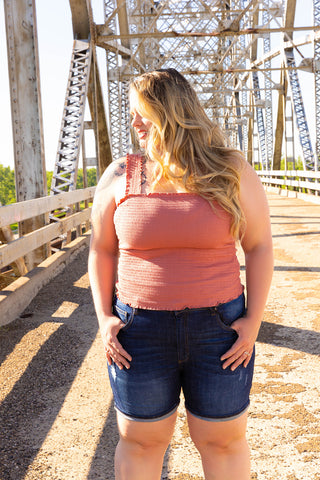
(211, 392)
(150, 389)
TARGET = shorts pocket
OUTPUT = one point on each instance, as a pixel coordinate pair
(229, 312)
(226, 324)
(125, 316)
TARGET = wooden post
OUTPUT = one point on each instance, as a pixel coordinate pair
(83, 26)
(23, 63)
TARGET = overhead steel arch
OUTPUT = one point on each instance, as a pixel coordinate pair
(225, 48)
(246, 81)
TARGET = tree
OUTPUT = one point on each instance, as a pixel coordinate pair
(91, 176)
(49, 179)
(7, 185)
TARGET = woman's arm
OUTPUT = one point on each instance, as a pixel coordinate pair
(257, 247)
(103, 258)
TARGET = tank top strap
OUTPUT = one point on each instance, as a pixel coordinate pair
(133, 173)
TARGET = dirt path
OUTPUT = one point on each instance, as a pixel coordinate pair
(57, 418)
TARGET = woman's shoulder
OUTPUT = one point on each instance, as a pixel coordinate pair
(251, 189)
(112, 173)
(247, 172)
(108, 187)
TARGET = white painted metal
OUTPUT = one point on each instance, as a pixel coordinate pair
(65, 171)
(316, 18)
(211, 43)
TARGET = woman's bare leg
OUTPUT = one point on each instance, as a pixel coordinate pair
(142, 445)
(223, 447)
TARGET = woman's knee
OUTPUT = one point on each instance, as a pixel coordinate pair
(221, 445)
(217, 436)
(146, 436)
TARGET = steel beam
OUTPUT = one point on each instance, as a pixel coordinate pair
(84, 28)
(64, 176)
(117, 20)
(250, 151)
(80, 19)
(280, 123)
(114, 89)
(257, 96)
(300, 114)
(214, 44)
(299, 110)
(295, 43)
(288, 23)
(23, 62)
(125, 123)
(316, 17)
(268, 90)
(96, 104)
(102, 37)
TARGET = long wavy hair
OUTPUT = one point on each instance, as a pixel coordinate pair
(187, 146)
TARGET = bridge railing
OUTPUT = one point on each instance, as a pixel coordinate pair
(302, 184)
(15, 297)
(18, 212)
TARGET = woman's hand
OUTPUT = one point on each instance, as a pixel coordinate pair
(241, 351)
(114, 350)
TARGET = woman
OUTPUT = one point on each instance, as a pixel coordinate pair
(165, 226)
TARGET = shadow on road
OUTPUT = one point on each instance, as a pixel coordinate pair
(306, 341)
(29, 410)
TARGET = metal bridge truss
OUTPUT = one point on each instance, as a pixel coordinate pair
(316, 41)
(224, 47)
(296, 95)
(66, 166)
(260, 119)
(266, 18)
(216, 45)
(211, 43)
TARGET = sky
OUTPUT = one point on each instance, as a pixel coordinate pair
(55, 45)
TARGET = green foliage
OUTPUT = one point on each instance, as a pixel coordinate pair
(91, 177)
(49, 179)
(257, 166)
(7, 185)
(298, 164)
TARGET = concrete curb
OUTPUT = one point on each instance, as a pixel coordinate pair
(17, 296)
(293, 194)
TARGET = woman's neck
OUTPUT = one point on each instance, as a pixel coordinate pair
(153, 184)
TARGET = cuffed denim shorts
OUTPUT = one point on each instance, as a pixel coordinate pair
(174, 350)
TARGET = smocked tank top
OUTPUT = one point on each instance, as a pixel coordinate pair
(175, 250)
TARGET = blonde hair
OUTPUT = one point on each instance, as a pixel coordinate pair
(188, 148)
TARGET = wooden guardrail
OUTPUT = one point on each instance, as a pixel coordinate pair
(295, 180)
(299, 183)
(15, 297)
(18, 293)
(17, 212)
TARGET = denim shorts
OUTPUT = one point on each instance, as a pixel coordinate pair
(174, 350)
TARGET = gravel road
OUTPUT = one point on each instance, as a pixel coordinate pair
(57, 417)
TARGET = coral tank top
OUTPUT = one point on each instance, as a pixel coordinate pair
(175, 250)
